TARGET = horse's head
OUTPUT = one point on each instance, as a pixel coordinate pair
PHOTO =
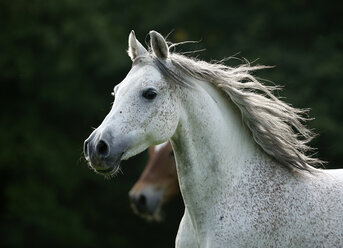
(144, 112)
(157, 185)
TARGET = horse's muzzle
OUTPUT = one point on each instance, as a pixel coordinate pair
(146, 202)
(103, 156)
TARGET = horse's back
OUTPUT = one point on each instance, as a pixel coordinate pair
(323, 203)
(312, 207)
(328, 186)
(335, 175)
(304, 210)
(274, 207)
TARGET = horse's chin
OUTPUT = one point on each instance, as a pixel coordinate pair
(157, 216)
(133, 151)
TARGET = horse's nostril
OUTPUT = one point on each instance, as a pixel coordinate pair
(102, 148)
(142, 200)
(85, 149)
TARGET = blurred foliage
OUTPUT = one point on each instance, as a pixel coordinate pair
(59, 62)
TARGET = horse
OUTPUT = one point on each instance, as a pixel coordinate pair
(247, 174)
(157, 184)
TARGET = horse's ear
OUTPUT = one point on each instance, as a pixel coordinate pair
(135, 47)
(159, 45)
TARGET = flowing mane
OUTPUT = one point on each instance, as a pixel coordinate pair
(275, 126)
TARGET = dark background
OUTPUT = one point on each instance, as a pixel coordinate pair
(58, 64)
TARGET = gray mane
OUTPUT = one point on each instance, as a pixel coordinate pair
(275, 126)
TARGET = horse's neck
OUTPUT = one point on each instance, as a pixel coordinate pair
(212, 147)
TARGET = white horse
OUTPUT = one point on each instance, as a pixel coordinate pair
(245, 174)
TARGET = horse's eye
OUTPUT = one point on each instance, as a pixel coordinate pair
(171, 154)
(149, 94)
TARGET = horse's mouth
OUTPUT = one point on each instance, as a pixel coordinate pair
(106, 171)
(157, 215)
(112, 170)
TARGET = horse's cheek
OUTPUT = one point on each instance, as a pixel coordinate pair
(169, 118)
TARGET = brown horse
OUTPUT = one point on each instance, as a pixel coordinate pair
(157, 185)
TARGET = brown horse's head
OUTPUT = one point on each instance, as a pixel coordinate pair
(157, 185)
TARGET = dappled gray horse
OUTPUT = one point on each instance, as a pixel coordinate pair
(244, 170)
